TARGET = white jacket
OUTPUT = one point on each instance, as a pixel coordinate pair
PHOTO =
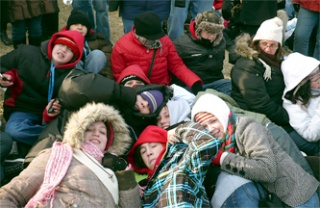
(304, 119)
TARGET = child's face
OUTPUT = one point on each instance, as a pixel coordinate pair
(97, 134)
(315, 81)
(209, 36)
(150, 152)
(214, 126)
(163, 120)
(61, 54)
(80, 28)
(132, 83)
(142, 105)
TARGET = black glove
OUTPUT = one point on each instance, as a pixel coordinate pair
(113, 162)
(196, 87)
(180, 3)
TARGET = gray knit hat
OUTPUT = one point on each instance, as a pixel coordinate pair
(211, 22)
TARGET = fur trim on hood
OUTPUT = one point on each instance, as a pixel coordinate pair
(118, 134)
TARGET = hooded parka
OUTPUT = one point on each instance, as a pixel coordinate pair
(80, 187)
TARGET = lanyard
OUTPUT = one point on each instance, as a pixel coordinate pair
(51, 82)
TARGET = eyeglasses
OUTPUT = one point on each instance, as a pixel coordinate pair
(272, 46)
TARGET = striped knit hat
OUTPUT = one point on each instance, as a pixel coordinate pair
(154, 98)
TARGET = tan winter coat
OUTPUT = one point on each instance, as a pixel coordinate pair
(80, 187)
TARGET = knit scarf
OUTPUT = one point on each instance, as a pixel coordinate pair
(57, 167)
(229, 140)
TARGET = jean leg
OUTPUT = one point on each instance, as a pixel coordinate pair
(102, 18)
(127, 25)
(307, 21)
(24, 127)
(246, 195)
(18, 30)
(310, 148)
(312, 202)
(177, 18)
(95, 61)
(199, 6)
(86, 7)
(222, 85)
(289, 9)
(34, 27)
(287, 145)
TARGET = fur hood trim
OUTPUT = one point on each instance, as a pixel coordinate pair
(80, 120)
(243, 49)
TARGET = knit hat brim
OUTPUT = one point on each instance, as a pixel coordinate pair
(70, 44)
(154, 98)
(78, 17)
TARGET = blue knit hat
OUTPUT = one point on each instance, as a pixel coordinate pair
(154, 98)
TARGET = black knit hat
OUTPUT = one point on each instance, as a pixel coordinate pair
(78, 17)
(148, 25)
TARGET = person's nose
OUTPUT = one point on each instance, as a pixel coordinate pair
(149, 152)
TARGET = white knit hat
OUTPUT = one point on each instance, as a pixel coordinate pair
(271, 29)
(212, 104)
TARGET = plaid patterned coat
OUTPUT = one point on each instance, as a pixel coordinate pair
(177, 181)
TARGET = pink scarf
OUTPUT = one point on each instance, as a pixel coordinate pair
(57, 167)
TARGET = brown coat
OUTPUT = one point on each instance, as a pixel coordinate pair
(79, 187)
(26, 9)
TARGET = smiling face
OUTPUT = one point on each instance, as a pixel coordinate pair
(142, 105)
(97, 134)
(150, 152)
(80, 28)
(214, 126)
(61, 54)
(163, 120)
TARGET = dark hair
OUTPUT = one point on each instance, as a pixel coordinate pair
(278, 55)
(303, 93)
(138, 159)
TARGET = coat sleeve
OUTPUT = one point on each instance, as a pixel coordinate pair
(201, 148)
(128, 189)
(10, 60)
(22, 188)
(179, 69)
(255, 95)
(306, 124)
(79, 88)
(255, 159)
(118, 63)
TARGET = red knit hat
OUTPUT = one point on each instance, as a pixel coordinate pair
(70, 44)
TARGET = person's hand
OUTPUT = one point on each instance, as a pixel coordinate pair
(6, 80)
(142, 186)
(53, 108)
(216, 159)
(172, 136)
(196, 87)
(114, 162)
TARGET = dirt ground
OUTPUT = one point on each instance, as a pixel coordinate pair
(116, 28)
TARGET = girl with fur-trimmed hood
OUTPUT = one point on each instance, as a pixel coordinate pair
(70, 173)
(202, 50)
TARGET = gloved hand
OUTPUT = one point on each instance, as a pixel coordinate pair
(216, 159)
(196, 87)
(114, 162)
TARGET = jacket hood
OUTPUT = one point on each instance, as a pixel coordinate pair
(118, 134)
(150, 134)
(134, 70)
(76, 37)
(179, 110)
(295, 68)
(243, 49)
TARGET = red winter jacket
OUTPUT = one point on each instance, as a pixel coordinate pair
(128, 51)
(312, 5)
